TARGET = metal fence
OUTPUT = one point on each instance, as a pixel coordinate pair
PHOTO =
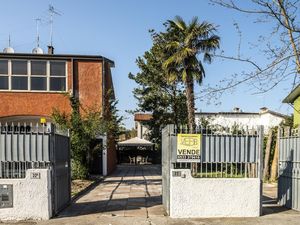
(225, 153)
(289, 169)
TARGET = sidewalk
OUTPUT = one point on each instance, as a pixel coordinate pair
(132, 196)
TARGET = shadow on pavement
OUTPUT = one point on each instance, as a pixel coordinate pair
(114, 205)
(270, 206)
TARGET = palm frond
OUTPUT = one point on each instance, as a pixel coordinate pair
(207, 57)
(179, 23)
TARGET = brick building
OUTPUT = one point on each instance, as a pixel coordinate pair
(32, 85)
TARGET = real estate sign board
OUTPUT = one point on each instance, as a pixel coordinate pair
(188, 147)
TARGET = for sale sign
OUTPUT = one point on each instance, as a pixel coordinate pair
(188, 147)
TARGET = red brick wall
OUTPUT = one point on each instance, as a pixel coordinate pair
(89, 84)
(31, 104)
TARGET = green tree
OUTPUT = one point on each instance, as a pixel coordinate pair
(187, 43)
(85, 126)
(155, 94)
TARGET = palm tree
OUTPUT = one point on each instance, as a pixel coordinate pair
(187, 42)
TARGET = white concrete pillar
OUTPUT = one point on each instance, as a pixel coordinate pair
(139, 130)
(104, 155)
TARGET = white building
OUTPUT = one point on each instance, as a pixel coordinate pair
(237, 117)
(140, 124)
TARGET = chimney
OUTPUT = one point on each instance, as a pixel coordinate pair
(236, 110)
(263, 110)
(50, 50)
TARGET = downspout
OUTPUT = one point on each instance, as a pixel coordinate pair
(103, 87)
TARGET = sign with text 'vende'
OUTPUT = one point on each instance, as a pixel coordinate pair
(188, 147)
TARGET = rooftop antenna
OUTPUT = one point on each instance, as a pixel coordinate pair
(38, 21)
(37, 49)
(9, 49)
(52, 12)
(9, 41)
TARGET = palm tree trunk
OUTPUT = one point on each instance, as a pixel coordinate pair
(175, 109)
(190, 103)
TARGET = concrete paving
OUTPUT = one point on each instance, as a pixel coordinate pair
(132, 191)
(132, 195)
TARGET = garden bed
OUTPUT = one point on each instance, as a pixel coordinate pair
(79, 185)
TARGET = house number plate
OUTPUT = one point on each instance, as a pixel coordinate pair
(35, 175)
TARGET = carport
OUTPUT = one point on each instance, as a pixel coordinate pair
(136, 151)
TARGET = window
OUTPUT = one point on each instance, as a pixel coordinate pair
(19, 83)
(57, 68)
(19, 79)
(3, 82)
(32, 75)
(57, 84)
(38, 68)
(39, 83)
(3, 74)
(19, 67)
(3, 67)
(38, 78)
(57, 76)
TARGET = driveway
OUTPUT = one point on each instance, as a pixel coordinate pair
(132, 195)
(132, 191)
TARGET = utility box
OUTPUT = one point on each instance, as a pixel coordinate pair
(6, 195)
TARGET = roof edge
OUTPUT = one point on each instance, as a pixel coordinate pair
(293, 95)
(56, 56)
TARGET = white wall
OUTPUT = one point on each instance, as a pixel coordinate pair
(31, 197)
(214, 197)
(142, 130)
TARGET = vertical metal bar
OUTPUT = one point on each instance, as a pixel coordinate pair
(260, 152)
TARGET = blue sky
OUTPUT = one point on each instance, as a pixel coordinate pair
(119, 30)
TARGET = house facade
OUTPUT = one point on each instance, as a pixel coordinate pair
(33, 85)
(293, 99)
(237, 117)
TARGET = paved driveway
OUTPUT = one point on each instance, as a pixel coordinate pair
(132, 191)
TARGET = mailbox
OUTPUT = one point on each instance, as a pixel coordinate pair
(6, 195)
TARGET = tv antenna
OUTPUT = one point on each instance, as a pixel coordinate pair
(52, 11)
(38, 21)
(9, 41)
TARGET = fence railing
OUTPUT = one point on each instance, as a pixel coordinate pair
(225, 152)
(25, 146)
(15, 170)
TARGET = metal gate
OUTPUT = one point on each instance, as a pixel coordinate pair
(289, 170)
(61, 172)
(24, 146)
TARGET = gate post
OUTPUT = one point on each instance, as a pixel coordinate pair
(166, 165)
(104, 155)
(260, 162)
